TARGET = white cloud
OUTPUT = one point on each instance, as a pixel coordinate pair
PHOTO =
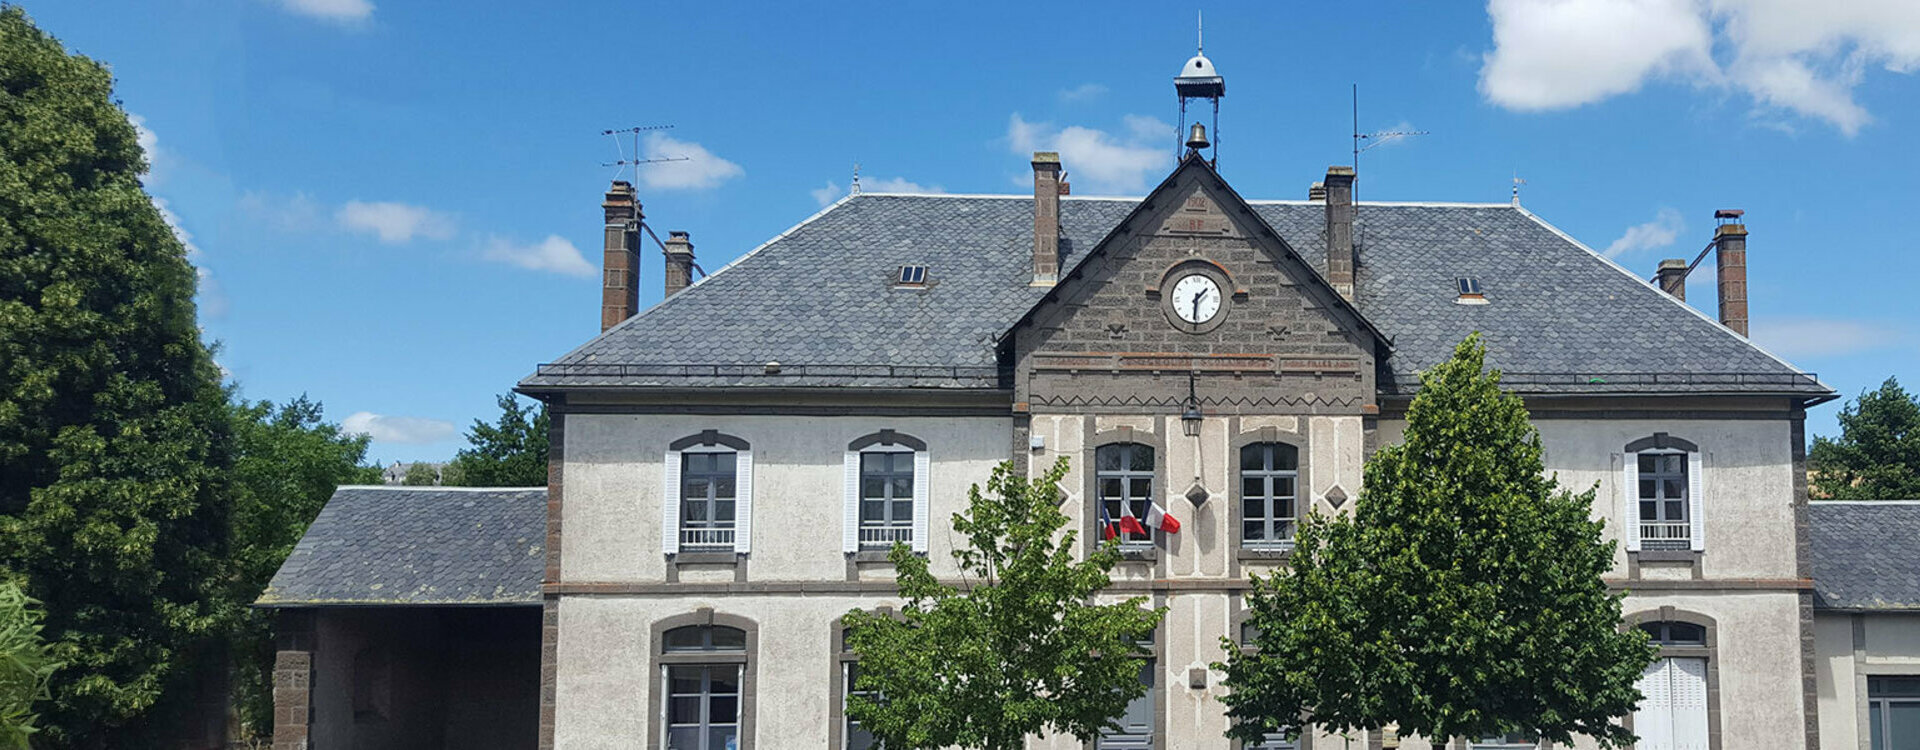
(896, 185)
(1082, 92)
(827, 194)
(337, 11)
(700, 171)
(394, 223)
(388, 429)
(553, 254)
(150, 144)
(1816, 337)
(212, 299)
(1098, 160)
(1661, 232)
(293, 213)
(173, 222)
(1787, 55)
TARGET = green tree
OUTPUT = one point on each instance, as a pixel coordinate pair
(511, 452)
(113, 425)
(1877, 456)
(1462, 599)
(287, 461)
(420, 474)
(1018, 650)
(26, 665)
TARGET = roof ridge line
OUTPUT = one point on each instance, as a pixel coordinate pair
(1748, 340)
(1138, 198)
(435, 488)
(1863, 502)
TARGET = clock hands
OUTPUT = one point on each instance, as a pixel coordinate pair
(1196, 303)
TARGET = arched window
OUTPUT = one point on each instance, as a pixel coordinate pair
(707, 501)
(1663, 484)
(1269, 494)
(886, 492)
(1123, 481)
(706, 682)
(1680, 686)
(1670, 633)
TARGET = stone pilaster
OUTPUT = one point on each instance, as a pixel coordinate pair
(294, 644)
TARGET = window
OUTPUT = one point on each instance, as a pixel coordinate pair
(707, 501)
(703, 699)
(1664, 521)
(1508, 741)
(1893, 712)
(911, 275)
(1269, 479)
(1274, 740)
(1123, 476)
(886, 493)
(1673, 713)
(886, 499)
(1134, 729)
(857, 737)
(707, 488)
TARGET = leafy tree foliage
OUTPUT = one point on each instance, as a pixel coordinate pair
(1877, 456)
(113, 425)
(511, 452)
(1462, 599)
(287, 461)
(1019, 650)
(26, 665)
(420, 474)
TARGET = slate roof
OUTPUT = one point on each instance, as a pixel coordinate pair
(820, 300)
(407, 546)
(1864, 555)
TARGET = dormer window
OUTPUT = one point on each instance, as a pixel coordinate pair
(913, 275)
(1470, 293)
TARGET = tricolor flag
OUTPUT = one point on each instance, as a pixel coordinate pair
(1157, 517)
(1106, 524)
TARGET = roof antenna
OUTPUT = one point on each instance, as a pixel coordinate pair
(623, 163)
(1517, 182)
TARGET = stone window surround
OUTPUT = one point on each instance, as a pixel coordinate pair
(1660, 441)
(1710, 652)
(659, 659)
(886, 438)
(842, 656)
(1302, 489)
(1091, 499)
(710, 439)
(1162, 686)
(1238, 620)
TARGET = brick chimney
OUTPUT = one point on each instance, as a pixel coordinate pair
(1339, 187)
(1672, 278)
(1730, 253)
(620, 297)
(679, 251)
(1046, 218)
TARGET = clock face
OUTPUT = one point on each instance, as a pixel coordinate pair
(1196, 299)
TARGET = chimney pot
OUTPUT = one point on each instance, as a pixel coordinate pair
(1047, 189)
(1340, 253)
(620, 261)
(1672, 278)
(679, 251)
(1317, 191)
(1730, 254)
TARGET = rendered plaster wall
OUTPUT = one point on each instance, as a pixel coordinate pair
(1848, 648)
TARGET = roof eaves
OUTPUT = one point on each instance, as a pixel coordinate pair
(1696, 312)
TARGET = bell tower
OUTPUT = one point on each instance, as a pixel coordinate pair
(1199, 80)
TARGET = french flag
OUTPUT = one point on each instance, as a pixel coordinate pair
(1106, 524)
(1157, 517)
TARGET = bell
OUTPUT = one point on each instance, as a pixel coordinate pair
(1197, 138)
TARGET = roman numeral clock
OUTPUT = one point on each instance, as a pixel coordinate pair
(1196, 296)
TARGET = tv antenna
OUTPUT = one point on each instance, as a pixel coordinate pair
(1373, 139)
(635, 161)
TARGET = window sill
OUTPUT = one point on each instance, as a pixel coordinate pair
(705, 557)
(873, 555)
(1666, 555)
(1266, 553)
(1139, 554)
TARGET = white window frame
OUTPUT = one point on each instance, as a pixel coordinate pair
(670, 495)
(1696, 492)
(886, 441)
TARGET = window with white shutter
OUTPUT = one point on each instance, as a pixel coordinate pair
(707, 495)
(1662, 483)
(887, 493)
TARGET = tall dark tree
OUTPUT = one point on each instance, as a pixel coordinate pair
(511, 452)
(1462, 599)
(287, 461)
(113, 425)
(1022, 650)
(1877, 456)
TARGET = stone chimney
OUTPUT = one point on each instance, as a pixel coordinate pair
(1046, 218)
(679, 251)
(1730, 253)
(620, 297)
(1339, 187)
(1317, 192)
(1672, 278)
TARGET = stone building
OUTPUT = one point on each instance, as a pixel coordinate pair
(729, 465)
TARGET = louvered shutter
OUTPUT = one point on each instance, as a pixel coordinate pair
(1630, 490)
(743, 501)
(850, 528)
(922, 465)
(670, 503)
(1696, 500)
(1688, 697)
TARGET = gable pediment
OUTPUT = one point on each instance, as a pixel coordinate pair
(1194, 281)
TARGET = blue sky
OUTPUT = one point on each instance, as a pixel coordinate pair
(395, 205)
